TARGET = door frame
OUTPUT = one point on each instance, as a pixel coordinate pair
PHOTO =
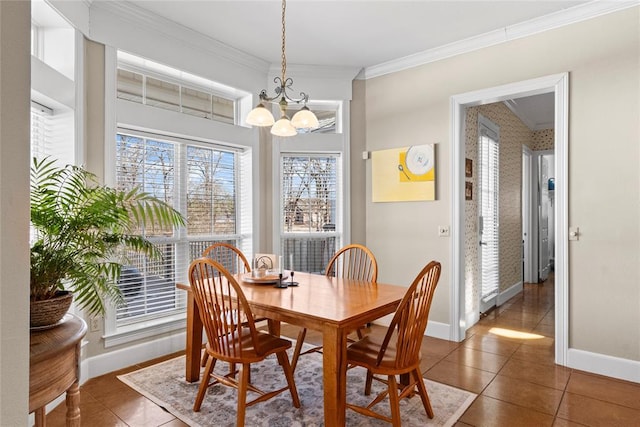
(559, 85)
(527, 214)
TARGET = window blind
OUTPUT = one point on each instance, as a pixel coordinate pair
(41, 131)
(202, 181)
(488, 206)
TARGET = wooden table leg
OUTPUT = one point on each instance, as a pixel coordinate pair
(73, 405)
(194, 340)
(41, 417)
(334, 359)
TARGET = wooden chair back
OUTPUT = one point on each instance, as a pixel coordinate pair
(224, 310)
(231, 258)
(410, 321)
(353, 262)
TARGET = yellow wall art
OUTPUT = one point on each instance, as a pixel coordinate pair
(404, 174)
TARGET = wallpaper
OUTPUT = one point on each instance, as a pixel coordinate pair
(513, 135)
(542, 140)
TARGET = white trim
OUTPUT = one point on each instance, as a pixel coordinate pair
(80, 95)
(145, 329)
(131, 355)
(434, 329)
(527, 202)
(558, 83)
(603, 364)
(509, 293)
(438, 330)
(513, 32)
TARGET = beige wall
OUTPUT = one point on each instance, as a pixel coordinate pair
(358, 166)
(14, 211)
(602, 56)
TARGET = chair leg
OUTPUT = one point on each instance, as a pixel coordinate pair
(367, 384)
(205, 357)
(288, 373)
(204, 384)
(394, 401)
(423, 392)
(242, 393)
(298, 349)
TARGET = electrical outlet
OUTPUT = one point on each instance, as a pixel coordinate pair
(443, 230)
(94, 324)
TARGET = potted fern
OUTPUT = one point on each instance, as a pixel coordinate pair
(82, 233)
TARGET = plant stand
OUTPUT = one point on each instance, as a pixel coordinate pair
(54, 368)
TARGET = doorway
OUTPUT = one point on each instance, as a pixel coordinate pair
(557, 84)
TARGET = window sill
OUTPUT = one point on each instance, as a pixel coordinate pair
(145, 329)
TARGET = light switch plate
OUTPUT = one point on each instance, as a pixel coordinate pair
(574, 233)
(443, 230)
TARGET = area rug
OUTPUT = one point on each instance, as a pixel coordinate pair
(165, 385)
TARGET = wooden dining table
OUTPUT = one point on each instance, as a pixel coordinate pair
(332, 306)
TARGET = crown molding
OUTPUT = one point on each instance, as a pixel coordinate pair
(555, 20)
(127, 13)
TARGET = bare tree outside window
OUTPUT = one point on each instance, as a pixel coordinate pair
(309, 189)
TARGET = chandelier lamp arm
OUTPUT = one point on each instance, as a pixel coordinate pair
(261, 116)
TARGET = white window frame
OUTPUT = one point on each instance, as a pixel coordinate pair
(312, 144)
(142, 118)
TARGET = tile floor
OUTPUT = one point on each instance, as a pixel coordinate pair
(516, 380)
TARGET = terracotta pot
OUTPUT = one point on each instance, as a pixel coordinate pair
(48, 312)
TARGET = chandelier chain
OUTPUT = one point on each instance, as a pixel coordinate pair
(284, 56)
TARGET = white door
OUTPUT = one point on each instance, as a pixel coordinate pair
(488, 204)
(543, 219)
(528, 275)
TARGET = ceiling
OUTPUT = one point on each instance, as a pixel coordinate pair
(353, 33)
(357, 33)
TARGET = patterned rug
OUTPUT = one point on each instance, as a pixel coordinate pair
(165, 385)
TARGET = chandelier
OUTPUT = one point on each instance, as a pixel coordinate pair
(261, 116)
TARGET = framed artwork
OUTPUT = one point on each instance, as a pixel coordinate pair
(468, 168)
(468, 190)
(404, 174)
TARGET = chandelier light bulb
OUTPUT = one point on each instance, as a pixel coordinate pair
(260, 116)
(304, 119)
(283, 127)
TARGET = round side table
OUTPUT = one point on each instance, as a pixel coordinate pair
(54, 367)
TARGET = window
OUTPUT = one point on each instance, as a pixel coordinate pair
(41, 134)
(327, 112)
(157, 85)
(488, 206)
(310, 210)
(200, 180)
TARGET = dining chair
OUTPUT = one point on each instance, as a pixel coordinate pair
(223, 306)
(231, 259)
(229, 256)
(354, 262)
(396, 351)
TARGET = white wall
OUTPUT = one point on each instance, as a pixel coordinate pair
(602, 56)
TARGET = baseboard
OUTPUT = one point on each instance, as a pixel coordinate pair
(438, 330)
(616, 367)
(509, 293)
(118, 359)
(471, 318)
(434, 329)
